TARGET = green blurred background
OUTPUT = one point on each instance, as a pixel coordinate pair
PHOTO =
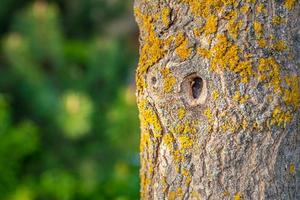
(68, 119)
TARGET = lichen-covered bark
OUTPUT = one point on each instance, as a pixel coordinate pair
(218, 95)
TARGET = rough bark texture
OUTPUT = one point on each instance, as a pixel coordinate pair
(218, 95)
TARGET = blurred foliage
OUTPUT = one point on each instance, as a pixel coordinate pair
(68, 117)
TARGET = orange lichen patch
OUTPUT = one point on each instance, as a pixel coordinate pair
(168, 140)
(232, 15)
(262, 43)
(144, 184)
(260, 8)
(187, 175)
(181, 113)
(250, 1)
(211, 25)
(177, 157)
(229, 125)
(169, 82)
(185, 172)
(292, 169)
(145, 140)
(182, 50)
(169, 79)
(152, 50)
(203, 52)
(237, 196)
(205, 8)
(172, 195)
(279, 117)
(149, 118)
(236, 96)
(215, 95)
(289, 4)
(269, 71)
(239, 98)
(166, 16)
(232, 57)
(279, 46)
(291, 95)
(244, 9)
(185, 142)
(208, 114)
(277, 20)
(223, 53)
(179, 192)
(185, 128)
(233, 28)
(244, 124)
(258, 28)
(165, 71)
(152, 119)
(244, 68)
(198, 31)
(233, 25)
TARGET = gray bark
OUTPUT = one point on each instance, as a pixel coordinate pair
(218, 95)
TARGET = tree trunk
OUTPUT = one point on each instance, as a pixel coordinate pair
(218, 95)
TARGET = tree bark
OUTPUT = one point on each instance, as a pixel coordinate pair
(218, 96)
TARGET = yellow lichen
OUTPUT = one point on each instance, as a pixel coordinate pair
(279, 117)
(215, 94)
(244, 69)
(145, 140)
(198, 31)
(237, 196)
(239, 98)
(151, 51)
(172, 195)
(277, 20)
(185, 172)
(185, 128)
(168, 80)
(291, 95)
(208, 114)
(224, 54)
(182, 50)
(166, 16)
(244, 9)
(181, 113)
(269, 71)
(229, 125)
(258, 28)
(205, 8)
(233, 28)
(289, 4)
(211, 25)
(185, 142)
(279, 46)
(260, 8)
(244, 124)
(292, 169)
(168, 140)
(203, 52)
(149, 118)
(236, 96)
(262, 43)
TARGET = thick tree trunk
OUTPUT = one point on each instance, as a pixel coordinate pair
(218, 95)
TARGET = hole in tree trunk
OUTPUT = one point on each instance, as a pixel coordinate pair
(196, 84)
(194, 89)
